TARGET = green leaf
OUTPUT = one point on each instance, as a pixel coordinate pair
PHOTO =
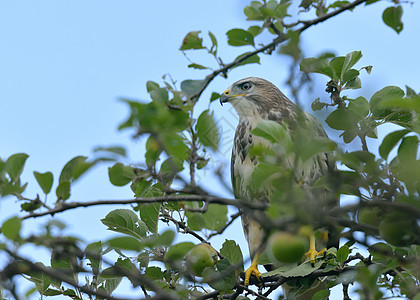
(41, 280)
(389, 92)
(351, 59)
(164, 239)
(233, 253)
(349, 135)
(207, 130)
(404, 104)
(30, 206)
(343, 253)
(214, 96)
(192, 87)
(159, 95)
(254, 59)
(195, 221)
(153, 151)
(277, 25)
(392, 17)
(112, 283)
(371, 2)
(215, 217)
(315, 65)
(407, 151)
(273, 132)
(318, 145)
(267, 12)
(192, 41)
(342, 119)
(14, 165)
(63, 190)
(197, 66)
(11, 228)
(120, 175)
(52, 292)
(356, 159)
(360, 106)
(353, 84)
(336, 65)
(253, 14)
(227, 282)
(75, 168)
(255, 30)
(175, 145)
(121, 151)
(93, 254)
(318, 105)
(410, 92)
(178, 252)
(147, 190)
(126, 243)
(143, 258)
(170, 168)
(390, 141)
(213, 48)
(154, 273)
(380, 252)
(45, 181)
(151, 85)
(302, 270)
(240, 37)
(321, 295)
(125, 221)
(149, 214)
(350, 75)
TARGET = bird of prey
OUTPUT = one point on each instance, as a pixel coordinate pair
(256, 99)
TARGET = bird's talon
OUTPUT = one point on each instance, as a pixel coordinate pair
(252, 270)
(312, 253)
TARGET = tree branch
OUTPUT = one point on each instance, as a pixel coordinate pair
(135, 276)
(63, 206)
(30, 266)
(331, 14)
(276, 41)
(221, 230)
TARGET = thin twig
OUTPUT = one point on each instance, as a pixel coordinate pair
(185, 228)
(221, 230)
(276, 41)
(63, 206)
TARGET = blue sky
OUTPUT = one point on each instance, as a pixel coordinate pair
(64, 64)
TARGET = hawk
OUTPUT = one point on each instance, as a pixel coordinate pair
(256, 99)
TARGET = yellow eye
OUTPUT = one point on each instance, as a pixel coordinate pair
(245, 86)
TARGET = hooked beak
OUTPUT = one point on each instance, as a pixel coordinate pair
(225, 97)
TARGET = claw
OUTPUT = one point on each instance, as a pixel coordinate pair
(252, 270)
(312, 253)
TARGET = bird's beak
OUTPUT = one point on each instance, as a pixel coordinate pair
(225, 97)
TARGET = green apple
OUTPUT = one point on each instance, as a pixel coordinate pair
(398, 229)
(285, 247)
(200, 256)
(370, 215)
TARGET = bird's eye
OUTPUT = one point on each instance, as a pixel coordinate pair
(246, 86)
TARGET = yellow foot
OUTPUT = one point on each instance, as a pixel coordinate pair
(252, 270)
(312, 253)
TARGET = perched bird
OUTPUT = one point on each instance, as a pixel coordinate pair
(255, 100)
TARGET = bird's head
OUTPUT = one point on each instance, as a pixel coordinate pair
(254, 96)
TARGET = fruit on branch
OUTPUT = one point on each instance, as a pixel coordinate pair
(370, 215)
(285, 247)
(200, 256)
(398, 229)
